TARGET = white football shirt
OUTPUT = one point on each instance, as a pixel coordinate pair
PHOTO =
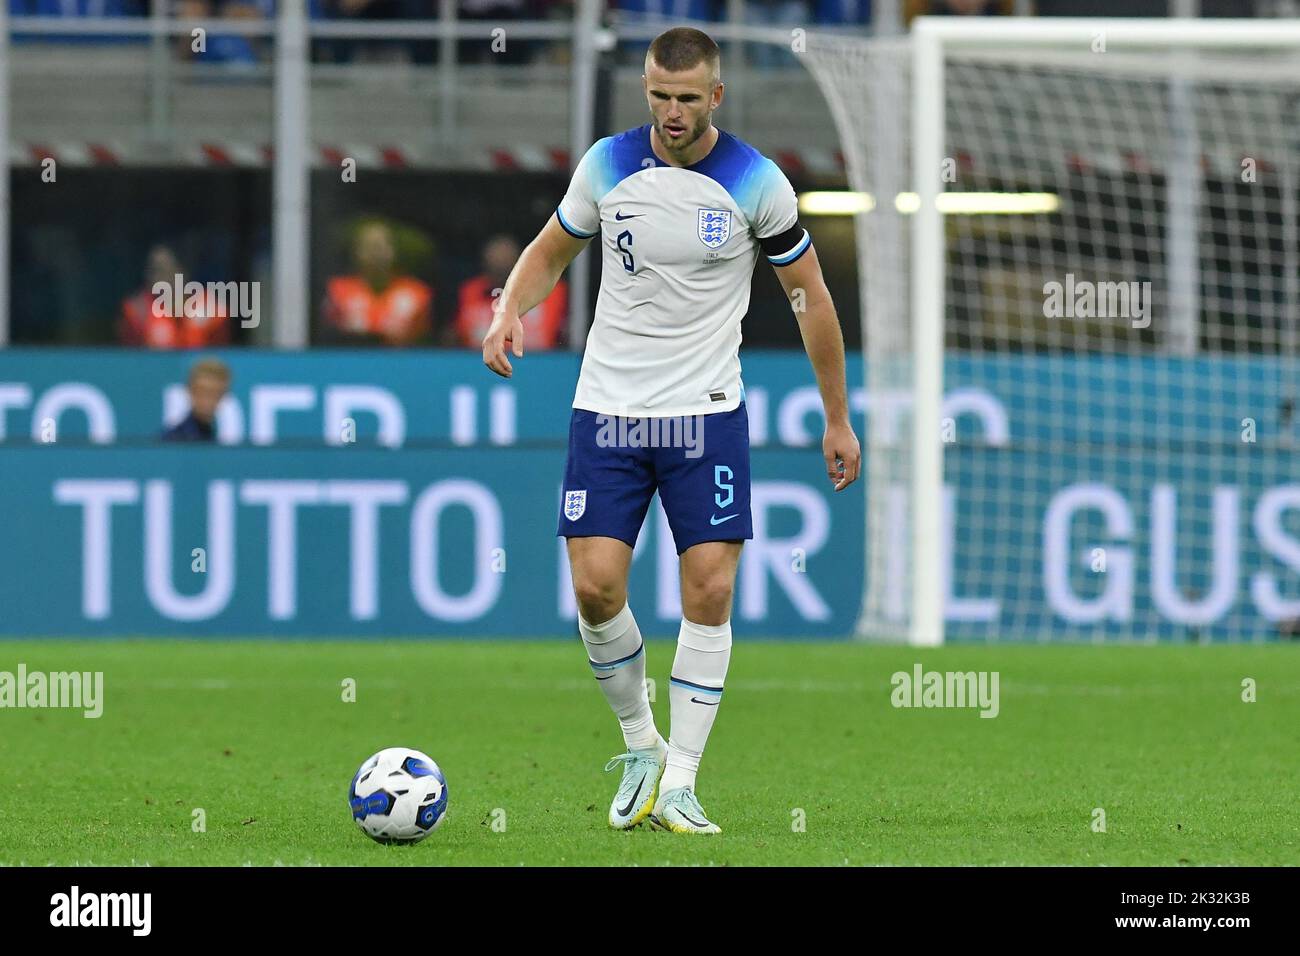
(679, 244)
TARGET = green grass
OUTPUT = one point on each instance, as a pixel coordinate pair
(256, 734)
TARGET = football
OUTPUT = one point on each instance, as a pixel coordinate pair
(398, 796)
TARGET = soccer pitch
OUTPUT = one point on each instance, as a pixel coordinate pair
(809, 762)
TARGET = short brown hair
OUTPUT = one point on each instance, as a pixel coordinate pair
(210, 366)
(684, 48)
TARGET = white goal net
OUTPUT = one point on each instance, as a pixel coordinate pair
(1081, 290)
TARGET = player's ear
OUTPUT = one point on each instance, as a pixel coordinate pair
(717, 95)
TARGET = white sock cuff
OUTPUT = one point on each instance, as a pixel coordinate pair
(611, 630)
(705, 637)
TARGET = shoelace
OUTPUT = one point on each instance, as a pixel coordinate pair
(628, 758)
(631, 760)
(691, 802)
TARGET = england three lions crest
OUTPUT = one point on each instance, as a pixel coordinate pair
(575, 503)
(714, 226)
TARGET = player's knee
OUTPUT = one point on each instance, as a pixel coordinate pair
(598, 599)
(709, 597)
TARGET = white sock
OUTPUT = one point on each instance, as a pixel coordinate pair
(617, 657)
(695, 692)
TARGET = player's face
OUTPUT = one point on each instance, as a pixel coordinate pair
(206, 393)
(681, 103)
(162, 266)
(499, 258)
(374, 250)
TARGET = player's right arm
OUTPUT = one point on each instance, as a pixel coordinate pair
(531, 280)
(575, 222)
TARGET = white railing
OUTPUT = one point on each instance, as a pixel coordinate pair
(290, 73)
(292, 32)
(4, 174)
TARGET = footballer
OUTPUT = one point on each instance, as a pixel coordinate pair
(682, 211)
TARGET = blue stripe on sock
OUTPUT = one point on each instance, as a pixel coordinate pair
(700, 687)
(620, 662)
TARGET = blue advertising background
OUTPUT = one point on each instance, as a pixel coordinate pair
(439, 518)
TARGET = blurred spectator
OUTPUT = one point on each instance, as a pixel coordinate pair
(775, 13)
(543, 324)
(85, 8)
(372, 51)
(639, 11)
(494, 14)
(147, 318)
(369, 9)
(557, 52)
(265, 9)
(208, 385)
(958, 8)
(376, 306)
(322, 50)
(218, 47)
(81, 8)
(842, 12)
(636, 10)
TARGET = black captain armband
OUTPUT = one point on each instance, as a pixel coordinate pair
(786, 247)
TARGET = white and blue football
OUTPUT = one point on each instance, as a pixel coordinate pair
(398, 796)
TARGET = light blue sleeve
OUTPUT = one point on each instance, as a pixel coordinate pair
(579, 210)
(776, 208)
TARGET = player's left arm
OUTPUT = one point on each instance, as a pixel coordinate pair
(824, 342)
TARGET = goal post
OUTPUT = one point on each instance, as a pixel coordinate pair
(927, 281)
(1081, 393)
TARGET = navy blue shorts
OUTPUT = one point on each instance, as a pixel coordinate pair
(699, 464)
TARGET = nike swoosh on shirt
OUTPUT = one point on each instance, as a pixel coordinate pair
(710, 703)
(628, 809)
(715, 520)
(620, 217)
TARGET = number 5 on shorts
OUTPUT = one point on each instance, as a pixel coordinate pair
(719, 473)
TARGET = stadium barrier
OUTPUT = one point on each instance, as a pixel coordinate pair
(415, 494)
